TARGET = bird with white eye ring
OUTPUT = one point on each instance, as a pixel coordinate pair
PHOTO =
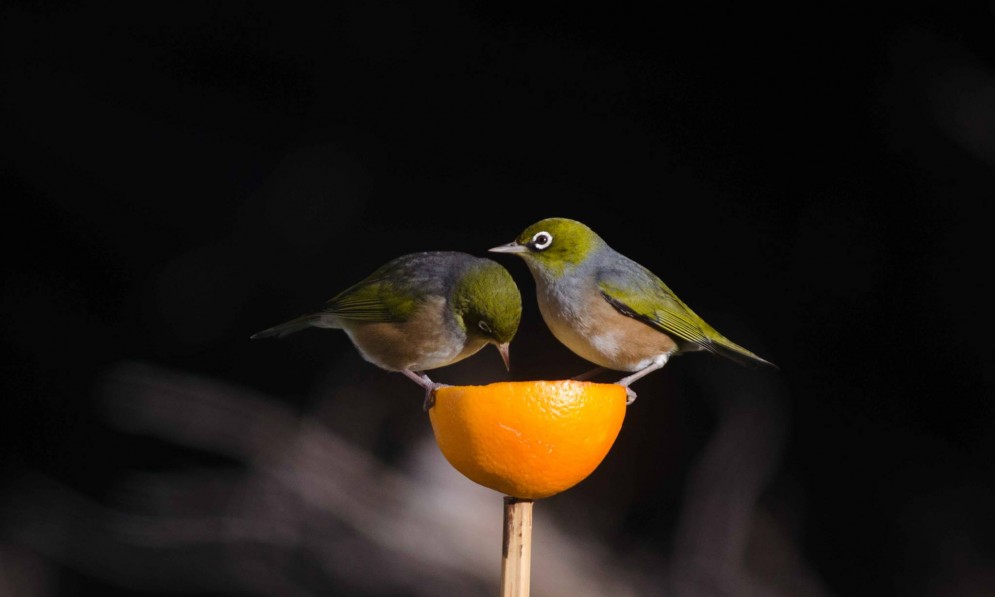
(607, 308)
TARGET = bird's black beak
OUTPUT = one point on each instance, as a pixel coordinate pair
(505, 351)
(510, 248)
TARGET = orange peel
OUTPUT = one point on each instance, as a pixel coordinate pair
(528, 439)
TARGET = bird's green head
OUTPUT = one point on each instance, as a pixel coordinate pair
(488, 300)
(554, 245)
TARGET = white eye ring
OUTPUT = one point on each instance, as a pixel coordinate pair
(542, 240)
(483, 326)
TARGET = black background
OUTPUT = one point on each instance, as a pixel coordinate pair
(813, 180)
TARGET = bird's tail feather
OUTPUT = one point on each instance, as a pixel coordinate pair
(289, 327)
(735, 352)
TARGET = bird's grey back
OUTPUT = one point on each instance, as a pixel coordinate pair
(425, 273)
(613, 267)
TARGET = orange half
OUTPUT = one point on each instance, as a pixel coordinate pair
(527, 439)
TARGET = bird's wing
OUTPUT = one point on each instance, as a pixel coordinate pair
(398, 288)
(636, 292)
(375, 299)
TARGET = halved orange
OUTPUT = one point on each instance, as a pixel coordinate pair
(528, 439)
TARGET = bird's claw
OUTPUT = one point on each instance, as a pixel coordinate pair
(430, 395)
(630, 396)
(429, 399)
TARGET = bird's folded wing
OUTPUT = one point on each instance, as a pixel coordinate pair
(642, 296)
(374, 301)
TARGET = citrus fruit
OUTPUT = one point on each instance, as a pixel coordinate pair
(527, 439)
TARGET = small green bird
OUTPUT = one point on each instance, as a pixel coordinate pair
(609, 309)
(422, 311)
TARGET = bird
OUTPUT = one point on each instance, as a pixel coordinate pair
(422, 311)
(607, 308)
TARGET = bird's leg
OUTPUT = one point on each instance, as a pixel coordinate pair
(429, 385)
(588, 374)
(657, 363)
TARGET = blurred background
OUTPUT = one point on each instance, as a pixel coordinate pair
(813, 180)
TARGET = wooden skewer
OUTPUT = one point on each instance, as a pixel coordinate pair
(516, 553)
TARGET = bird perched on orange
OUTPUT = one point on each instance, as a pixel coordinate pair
(607, 308)
(422, 311)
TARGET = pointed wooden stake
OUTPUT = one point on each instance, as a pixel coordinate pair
(516, 556)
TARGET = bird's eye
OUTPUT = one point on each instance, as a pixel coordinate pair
(483, 326)
(542, 240)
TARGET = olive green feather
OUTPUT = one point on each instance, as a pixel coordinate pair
(375, 299)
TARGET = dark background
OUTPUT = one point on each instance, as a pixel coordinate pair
(812, 180)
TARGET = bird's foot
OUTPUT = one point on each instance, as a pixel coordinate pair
(430, 386)
(630, 396)
(430, 395)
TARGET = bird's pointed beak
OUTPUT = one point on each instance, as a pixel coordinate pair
(505, 351)
(509, 248)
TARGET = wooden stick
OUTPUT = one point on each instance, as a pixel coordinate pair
(516, 552)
